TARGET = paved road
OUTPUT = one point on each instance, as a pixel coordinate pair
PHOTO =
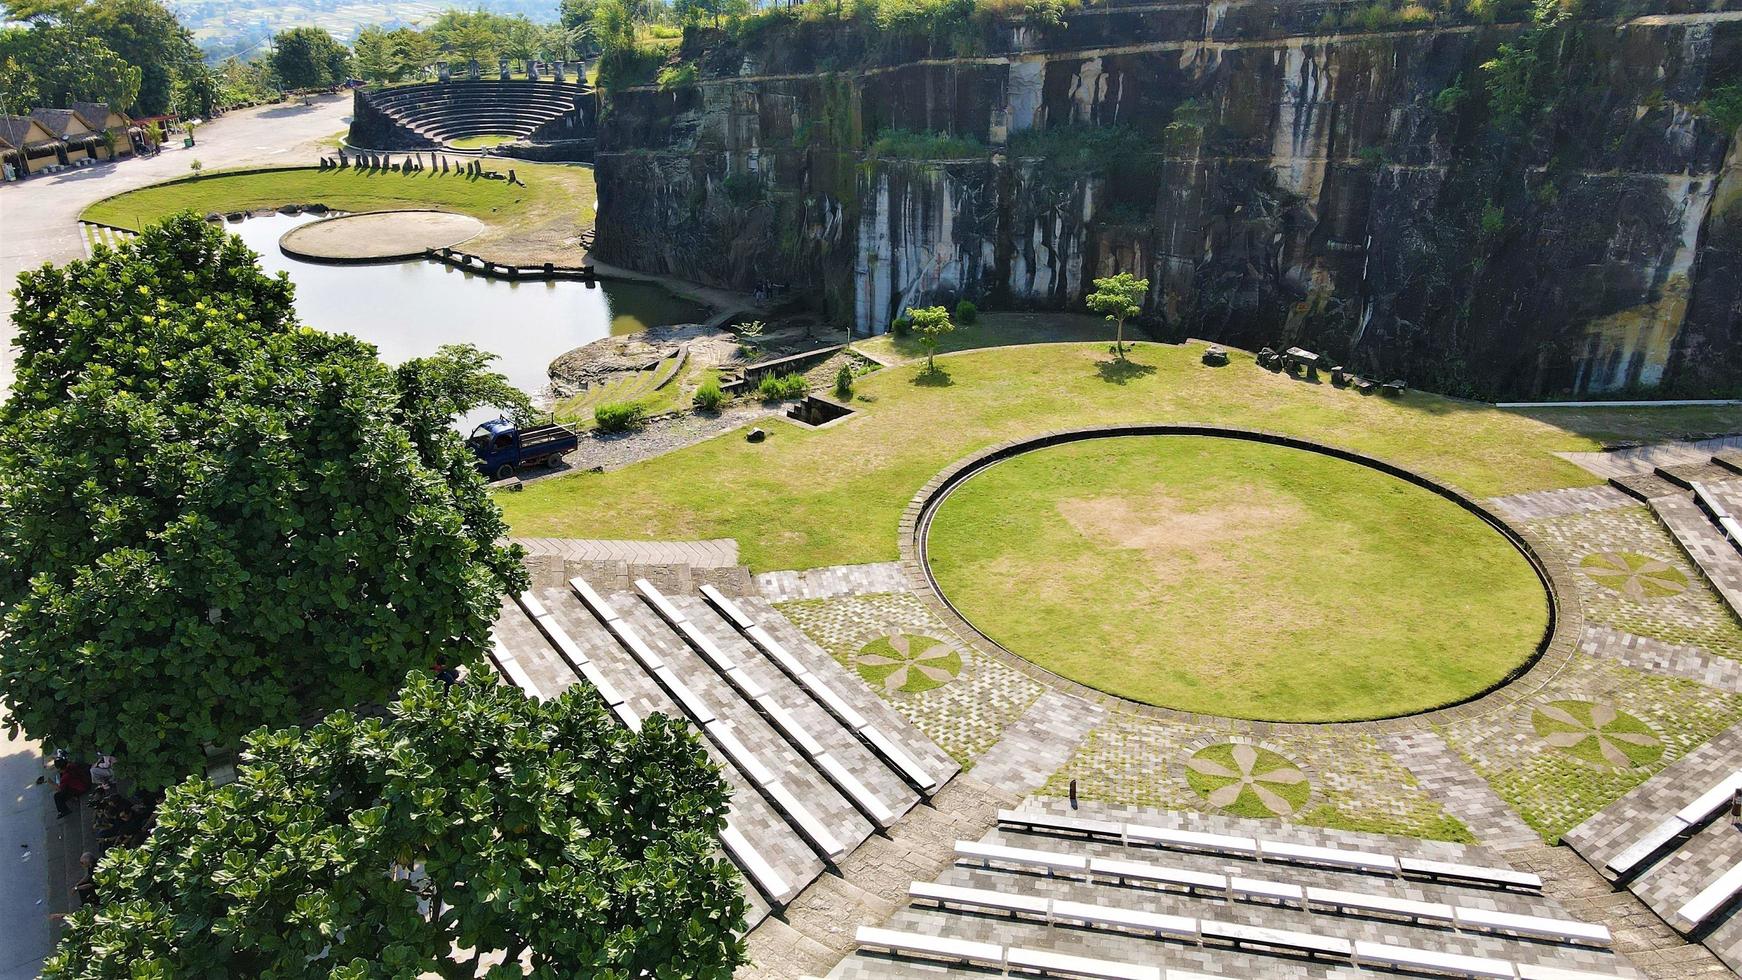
(39, 217)
(39, 223)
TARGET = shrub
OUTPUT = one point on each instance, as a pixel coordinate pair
(844, 381)
(743, 189)
(673, 76)
(967, 312)
(776, 388)
(908, 145)
(709, 397)
(619, 416)
(900, 326)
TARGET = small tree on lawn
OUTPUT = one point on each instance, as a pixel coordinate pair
(216, 519)
(930, 323)
(1119, 298)
(470, 824)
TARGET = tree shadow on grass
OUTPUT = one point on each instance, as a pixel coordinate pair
(1119, 371)
(933, 377)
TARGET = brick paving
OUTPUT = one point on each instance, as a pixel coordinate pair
(1693, 616)
(1717, 559)
(715, 553)
(832, 582)
(1038, 743)
(1558, 503)
(1644, 459)
(1445, 775)
(966, 716)
(1657, 657)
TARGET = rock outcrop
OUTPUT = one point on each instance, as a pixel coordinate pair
(1565, 220)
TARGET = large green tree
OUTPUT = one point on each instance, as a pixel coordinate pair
(215, 518)
(308, 57)
(142, 34)
(49, 65)
(469, 826)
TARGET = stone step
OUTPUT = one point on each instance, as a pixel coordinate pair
(1645, 486)
(838, 827)
(1713, 554)
(780, 695)
(760, 824)
(1686, 476)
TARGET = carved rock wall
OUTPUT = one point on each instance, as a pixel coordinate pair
(1280, 183)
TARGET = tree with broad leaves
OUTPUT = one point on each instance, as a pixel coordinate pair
(1118, 298)
(308, 57)
(469, 826)
(930, 323)
(216, 519)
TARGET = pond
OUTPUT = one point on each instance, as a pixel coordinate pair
(408, 309)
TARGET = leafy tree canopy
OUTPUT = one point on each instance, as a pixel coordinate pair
(468, 826)
(308, 57)
(1118, 298)
(930, 323)
(142, 35)
(50, 66)
(216, 519)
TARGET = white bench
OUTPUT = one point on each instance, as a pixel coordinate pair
(627, 716)
(1710, 504)
(1708, 804)
(807, 743)
(1151, 923)
(1642, 849)
(1334, 900)
(1277, 939)
(530, 603)
(1025, 857)
(1260, 890)
(592, 599)
(908, 766)
(596, 677)
(837, 772)
(692, 702)
(1038, 820)
(739, 753)
(727, 607)
(1538, 926)
(1064, 965)
(661, 605)
(933, 947)
(1712, 898)
(509, 666)
(754, 864)
(1335, 857)
(807, 822)
(1473, 873)
(1191, 840)
(1160, 874)
(1451, 964)
(980, 898)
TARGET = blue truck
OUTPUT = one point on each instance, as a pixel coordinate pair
(503, 447)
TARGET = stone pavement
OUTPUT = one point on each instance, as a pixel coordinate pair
(828, 583)
(1465, 794)
(1658, 657)
(1717, 559)
(715, 553)
(1038, 743)
(1558, 503)
(1644, 459)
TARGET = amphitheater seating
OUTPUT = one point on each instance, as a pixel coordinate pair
(806, 786)
(1721, 892)
(1079, 907)
(439, 113)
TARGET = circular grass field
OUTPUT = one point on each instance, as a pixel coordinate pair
(1235, 578)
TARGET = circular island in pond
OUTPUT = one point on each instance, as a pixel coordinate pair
(1236, 577)
(380, 236)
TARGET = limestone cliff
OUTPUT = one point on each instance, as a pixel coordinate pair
(1566, 220)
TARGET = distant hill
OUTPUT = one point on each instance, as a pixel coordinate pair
(243, 27)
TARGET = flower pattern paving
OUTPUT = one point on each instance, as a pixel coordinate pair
(1248, 780)
(1599, 546)
(908, 664)
(1580, 711)
(964, 716)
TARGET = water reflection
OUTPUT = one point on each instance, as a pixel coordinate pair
(408, 309)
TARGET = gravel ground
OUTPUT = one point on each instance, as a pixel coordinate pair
(660, 436)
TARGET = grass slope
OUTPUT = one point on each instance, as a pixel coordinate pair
(1236, 578)
(806, 498)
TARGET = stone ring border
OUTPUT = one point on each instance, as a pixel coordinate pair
(1554, 649)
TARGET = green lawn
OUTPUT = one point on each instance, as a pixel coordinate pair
(806, 498)
(1236, 578)
(557, 199)
(483, 142)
